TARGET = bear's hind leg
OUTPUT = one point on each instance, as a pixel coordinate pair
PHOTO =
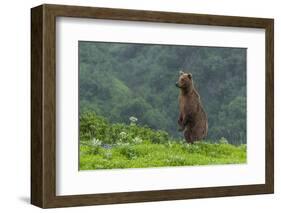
(188, 136)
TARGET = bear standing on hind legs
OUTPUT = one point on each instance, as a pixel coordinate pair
(192, 117)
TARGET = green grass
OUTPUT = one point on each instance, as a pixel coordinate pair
(113, 146)
(147, 154)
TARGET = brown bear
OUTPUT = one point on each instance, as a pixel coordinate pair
(192, 117)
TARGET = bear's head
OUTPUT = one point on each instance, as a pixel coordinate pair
(185, 81)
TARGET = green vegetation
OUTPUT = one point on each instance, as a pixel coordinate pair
(119, 80)
(105, 146)
(129, 108)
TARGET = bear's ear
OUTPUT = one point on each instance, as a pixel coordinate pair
(181, 72)
(189, 75)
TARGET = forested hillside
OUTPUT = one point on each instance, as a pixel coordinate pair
(118, 81)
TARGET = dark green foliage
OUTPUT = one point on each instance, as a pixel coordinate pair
(122, 80)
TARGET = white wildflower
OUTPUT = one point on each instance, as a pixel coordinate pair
(133, 120)
(123, 134)
(96, 142)
(119, 143)
(223, 141)
(137, 140)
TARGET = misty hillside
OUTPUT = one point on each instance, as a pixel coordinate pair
(117, 81)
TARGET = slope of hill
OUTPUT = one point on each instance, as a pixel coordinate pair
(106, 146)
(122, 80)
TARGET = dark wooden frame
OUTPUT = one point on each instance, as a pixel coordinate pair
(43, 105)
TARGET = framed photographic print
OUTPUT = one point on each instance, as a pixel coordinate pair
(135, 106)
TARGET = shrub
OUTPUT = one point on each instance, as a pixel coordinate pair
(96, 127)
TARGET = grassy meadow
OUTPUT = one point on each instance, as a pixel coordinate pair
(128, 105)
(114, 146)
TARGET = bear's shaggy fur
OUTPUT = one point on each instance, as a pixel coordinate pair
(192, 120)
